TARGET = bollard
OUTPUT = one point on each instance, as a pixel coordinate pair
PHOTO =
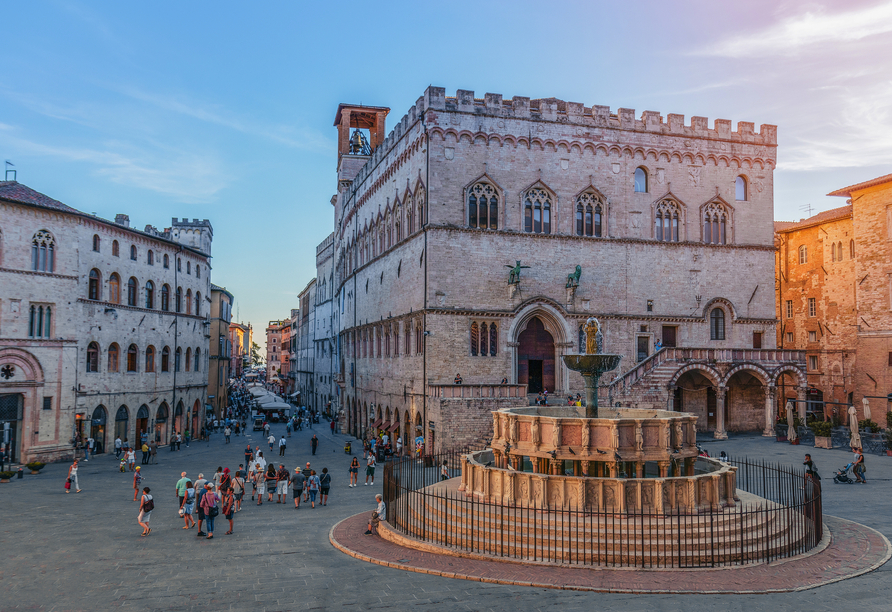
(21, 473)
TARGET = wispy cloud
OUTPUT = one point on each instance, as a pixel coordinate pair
(804, 31)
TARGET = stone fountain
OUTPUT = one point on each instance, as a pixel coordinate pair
(592, 365)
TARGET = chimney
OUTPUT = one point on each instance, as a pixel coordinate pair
(123, 220)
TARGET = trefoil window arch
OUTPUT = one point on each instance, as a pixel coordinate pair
(483, 206)
(716, 220)
(537, 211)
(589, 214)
(43, 252)
(667, 219)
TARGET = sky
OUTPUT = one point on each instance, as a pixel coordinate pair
(225, 110)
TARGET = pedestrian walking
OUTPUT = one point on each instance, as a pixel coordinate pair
(209, 505)
(354, 472)
(307, 472)
(153, 452)
(271, 481)
(145, 453)
(200, 490)
(118, 446)
(251, 479)
(91, 447)
(249, 455)
(313, 487)
(370, 469)
(131, 459)
(858, 468)
(380, 514)
(72, 479)
(288, 428)
(186, 436)
(272, 440)
(146, 505)
(281, 484)
(227, 433)
(181, 487)
(173, 442)
(332, 425)
(298, 483)
(282, 444)
(187, 505)
(444, 471)
(314, 442)
(238, 490)
(137, 480)
(218, 477)
(228, 507)
(324, 486)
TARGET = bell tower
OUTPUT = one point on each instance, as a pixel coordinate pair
(356, 145)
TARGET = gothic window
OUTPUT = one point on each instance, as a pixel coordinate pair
(537, 211)
(715, 223)
(96, 242)
(666, 221)
(92, 357)
(493, 339)
(133, 252)
(833, 252)
(132, 286)
(852, 249)
(198, 303)
(178, 357)
(717, 324)
(396, 221)
(116, 249)
(114, 355)
(396, 341)
(484, 339)
(150, 257)
(740, 189)
(839, 251)
(165, 359)
(381, 237)
(189, 359)
(803, 254)
(420, 195)
(483, 206)
(179, 300)
(197, 271)
(132, 357)
(165, 261)
(93, 290)
(114, 288)
(150, 294)
(589, 214)
(640, 180)
(410, 214)
(165, 297)
(387, 343)
(150, 359)
(407, 343)
(189, 267)
(197, 366)
(188, 301)
(475, 339)
(378, 340)
(40, 321)
(179, 265)
(419, 339)
(43, 252)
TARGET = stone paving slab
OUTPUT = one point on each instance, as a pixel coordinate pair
(852, 550)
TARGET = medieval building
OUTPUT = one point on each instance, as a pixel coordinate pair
(476, 238)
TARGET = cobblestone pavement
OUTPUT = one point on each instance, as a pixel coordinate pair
(83, 551)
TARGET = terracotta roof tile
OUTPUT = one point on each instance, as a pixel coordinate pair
(12, 191)
(822, 217)
(847, 191)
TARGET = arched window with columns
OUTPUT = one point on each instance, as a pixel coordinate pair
(483, 206)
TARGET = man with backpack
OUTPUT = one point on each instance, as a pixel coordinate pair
(324, 486)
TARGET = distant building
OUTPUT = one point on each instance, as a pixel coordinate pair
(220, 350)
(103, 327)
(834, 299)
(305, 347)
(278, 334)
(241, 337)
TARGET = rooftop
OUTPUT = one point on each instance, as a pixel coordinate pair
(13, 191)
(847, 191)
(824, 217)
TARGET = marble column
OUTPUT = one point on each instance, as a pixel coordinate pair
(770, 404)
(801, 394)
(720, 394)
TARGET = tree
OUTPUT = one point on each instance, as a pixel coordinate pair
(256, 359)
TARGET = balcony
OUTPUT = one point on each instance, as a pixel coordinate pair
(477, 391)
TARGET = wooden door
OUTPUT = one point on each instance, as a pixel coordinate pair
(669, 335)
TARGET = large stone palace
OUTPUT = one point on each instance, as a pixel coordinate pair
(103, 327)
(476, 238)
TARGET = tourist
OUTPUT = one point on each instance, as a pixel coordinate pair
(858, 468)
(173, 441)
(226, 479)
(72, 478)
(228, 506)
(146, 505)
(658, 346)
(261, 462)
(185, 437)
(143, 437)
(314, 442)
(307, 472)
(271, 480)
(380, 514)
(313, 487)
(298, 483)
(153, 451)
(458, 379)
(272, 440)
(227, 433)
(332, 426)
(288, 428)
(91, 448)
(251, 467)
(811, 472)
(199, 493)
(282, 444)
(504, 380)
(444, 471)
(324, 486)
(248, 455)
(354, 472)
(131, 459)
(399, 446)
(137, 480)
(238, 489)
(260, 483)
(187, 505)
(370, 469)
(145, 453)
(209, 505)
(118, 446)
(281, 484)
(181, 487)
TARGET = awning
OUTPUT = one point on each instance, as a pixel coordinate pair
(385, 426)
(394, 426)
(376, 423)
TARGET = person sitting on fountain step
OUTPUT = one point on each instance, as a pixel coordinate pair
(457, 380)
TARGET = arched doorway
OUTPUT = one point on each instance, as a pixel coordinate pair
(745, 401)
(98, 427)
(161, 423)
(122, 423)
(12, 407)
(196, 411)
(535, 357)
(178, 417)
(696, 393)
(142, 424)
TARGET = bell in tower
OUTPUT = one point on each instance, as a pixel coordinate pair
(358, 118)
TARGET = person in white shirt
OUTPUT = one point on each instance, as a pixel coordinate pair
(271, 440)
(370, 469)
(399, 446)
(380, 514)
(118, 446)
(282, 443)
(385, 439)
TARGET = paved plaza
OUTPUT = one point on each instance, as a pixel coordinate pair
(83, 551)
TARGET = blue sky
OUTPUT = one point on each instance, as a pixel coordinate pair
(224, 110)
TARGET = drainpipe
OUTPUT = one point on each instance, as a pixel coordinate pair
(427, 188)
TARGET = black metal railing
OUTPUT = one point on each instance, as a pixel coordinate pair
(786, 521)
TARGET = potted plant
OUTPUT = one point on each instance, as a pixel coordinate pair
(822, 434)
(866, 425)
(35, 466)
(780, 430)
(6, 475)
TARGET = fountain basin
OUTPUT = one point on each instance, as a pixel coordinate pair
(593, 365)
